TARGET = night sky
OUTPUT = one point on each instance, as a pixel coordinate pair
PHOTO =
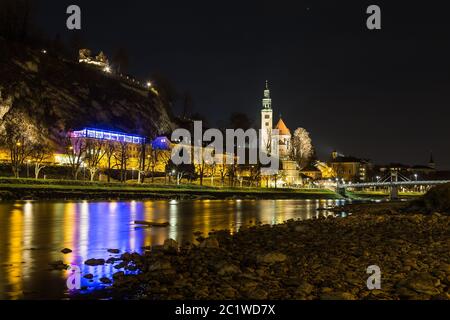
(383, 95)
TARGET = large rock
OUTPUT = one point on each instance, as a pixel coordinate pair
(160, 265)
(271, 258)
(338, 296)
(94, 262)
(170, 246)
(305, 288)
(211, 243)
(227, 269)
(423, 283)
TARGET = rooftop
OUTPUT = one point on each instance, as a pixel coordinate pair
(282, 128)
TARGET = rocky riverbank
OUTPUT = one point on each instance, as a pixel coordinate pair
(323, 258)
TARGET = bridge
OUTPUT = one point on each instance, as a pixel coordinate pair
(392, 181)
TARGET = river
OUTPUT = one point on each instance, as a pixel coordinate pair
(33, 233)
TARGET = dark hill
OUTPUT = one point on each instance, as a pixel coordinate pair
(53, 95)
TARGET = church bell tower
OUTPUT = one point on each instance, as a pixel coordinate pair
(266, 119)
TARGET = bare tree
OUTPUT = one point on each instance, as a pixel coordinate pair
(223, 170)
(110, 149)
(212, 168)
(122, 157)
(278, 176)
(200, 168)
(95, 151)
(19, 153)
(255, 174)
(75, 148)
(17, 137)
(39, 155)
(155, 157)
(301, 147)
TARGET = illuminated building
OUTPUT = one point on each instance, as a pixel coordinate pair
(107, 135)
(349, 168)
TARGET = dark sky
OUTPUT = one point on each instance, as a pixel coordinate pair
(383, 95)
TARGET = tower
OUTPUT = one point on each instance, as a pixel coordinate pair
(431, 163)
(266, 119)
(284, 139)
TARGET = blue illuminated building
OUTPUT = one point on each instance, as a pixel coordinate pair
(99, 134)
(161, 143)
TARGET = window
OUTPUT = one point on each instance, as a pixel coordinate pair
(267, 124)
(267, 116)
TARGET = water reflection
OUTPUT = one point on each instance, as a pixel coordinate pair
(32, 234)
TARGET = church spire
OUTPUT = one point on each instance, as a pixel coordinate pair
(432, 164)
(267, 101)
(266, 120)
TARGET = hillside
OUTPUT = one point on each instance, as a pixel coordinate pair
(53, 95)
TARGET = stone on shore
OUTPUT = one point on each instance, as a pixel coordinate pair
(170, 246)
(95, 262)
(58, 265)
(210, 243)
(271, 258)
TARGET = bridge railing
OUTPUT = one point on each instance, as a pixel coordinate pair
(392, 183)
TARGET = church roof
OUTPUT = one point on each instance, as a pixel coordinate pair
(283, 130)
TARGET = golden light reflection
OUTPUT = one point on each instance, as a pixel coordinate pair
(15, 250)
(69, 227)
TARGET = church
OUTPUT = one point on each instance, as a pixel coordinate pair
(289, 174)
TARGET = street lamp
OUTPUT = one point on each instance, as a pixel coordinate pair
(415, 176)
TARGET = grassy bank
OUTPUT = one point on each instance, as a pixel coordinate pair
(28, 189)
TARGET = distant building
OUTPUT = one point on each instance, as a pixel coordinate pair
(100, 61)
(349, 168)
(408, 172)
(312, 172)
(108, 135)
(289, 173)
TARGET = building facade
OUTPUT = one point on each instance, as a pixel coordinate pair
(289, 173)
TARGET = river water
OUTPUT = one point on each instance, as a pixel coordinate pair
(33, 233)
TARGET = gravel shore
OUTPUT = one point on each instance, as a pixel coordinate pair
(324, 258)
